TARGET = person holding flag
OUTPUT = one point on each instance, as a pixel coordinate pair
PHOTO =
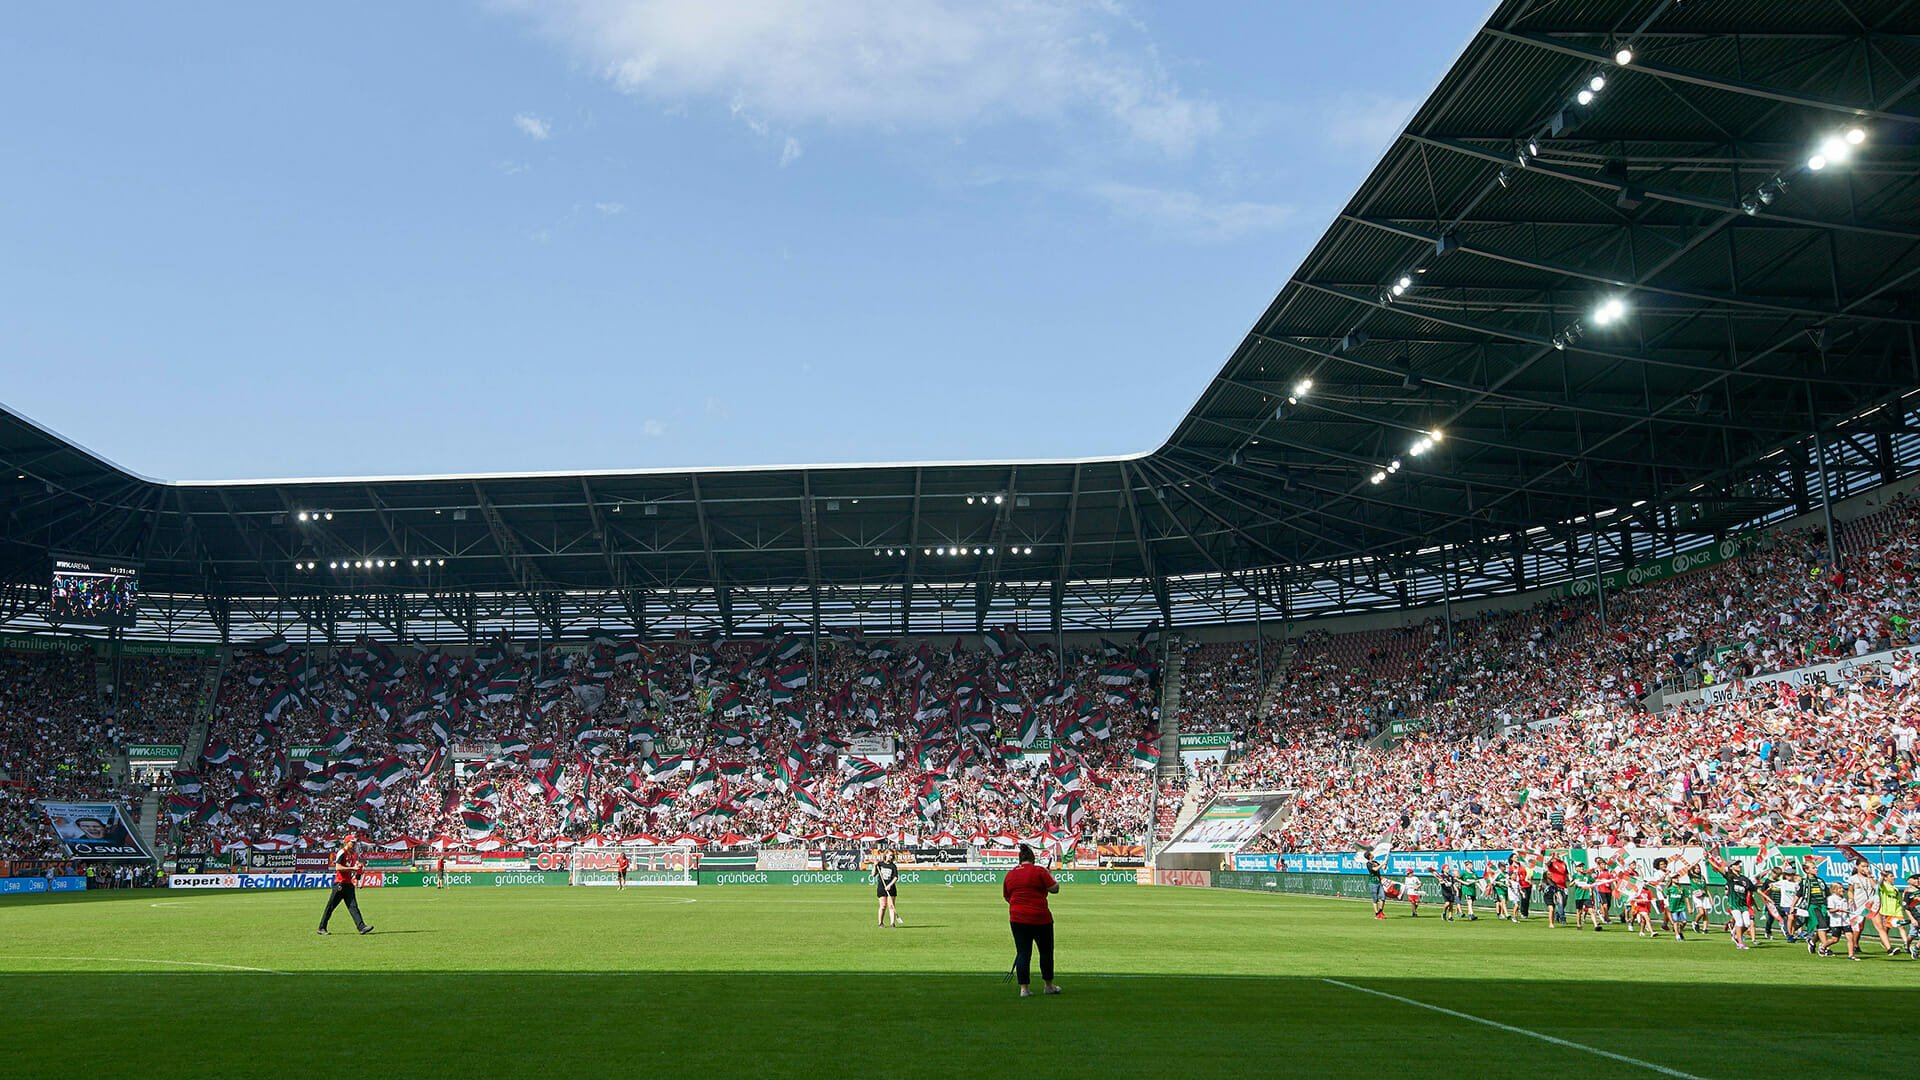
(1026, 888)
(885, 876)
(346, 872)
(1377, 885)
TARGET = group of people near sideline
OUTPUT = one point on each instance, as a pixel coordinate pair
(1672, 897)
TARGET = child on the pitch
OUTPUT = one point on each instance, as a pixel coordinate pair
(1641, 907)
(1702, 904)
(1411, 890)
(1469, 890)
(1449, 893)
(1583, 913)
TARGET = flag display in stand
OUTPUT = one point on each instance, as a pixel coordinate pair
(476, 822)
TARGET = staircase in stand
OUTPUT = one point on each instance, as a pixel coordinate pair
(203, 718)
(1173, 663)
(150, 820)
(1277, 676)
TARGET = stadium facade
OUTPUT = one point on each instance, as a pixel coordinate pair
(1624, 286)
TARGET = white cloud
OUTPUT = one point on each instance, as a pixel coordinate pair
(610, 208)
(791, 152)
(887, 65)
(533, 126)
(1367, 123)
(652, 428)
(1191, 215)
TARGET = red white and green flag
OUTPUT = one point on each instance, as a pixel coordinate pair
(791, 770)
(1029, 730)
(702, 783)
(807, 805)
(389, 772)
(929, 799)
(476, 822)
(1146, 756)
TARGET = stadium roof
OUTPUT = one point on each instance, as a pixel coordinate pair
(1762, 295)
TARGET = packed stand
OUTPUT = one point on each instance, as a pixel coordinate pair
(663, 739)
(54, 744)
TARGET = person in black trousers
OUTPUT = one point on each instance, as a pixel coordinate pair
(346, 868)
(1026, 889)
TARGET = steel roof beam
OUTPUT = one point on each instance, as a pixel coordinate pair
(1648, 66)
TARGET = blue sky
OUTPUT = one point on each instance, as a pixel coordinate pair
(581, 234)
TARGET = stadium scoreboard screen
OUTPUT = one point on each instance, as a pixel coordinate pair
(96, 592)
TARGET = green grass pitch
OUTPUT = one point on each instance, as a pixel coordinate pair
(799, 982)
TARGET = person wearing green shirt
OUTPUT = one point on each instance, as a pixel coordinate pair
(1583, 913)
(1813, 899)
(1893, 913)
(1469, 889)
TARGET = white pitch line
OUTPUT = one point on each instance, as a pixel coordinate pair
(1528, 1032)
(137, 960)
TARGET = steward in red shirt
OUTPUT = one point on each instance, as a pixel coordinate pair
(346, 868)
(1026, 889)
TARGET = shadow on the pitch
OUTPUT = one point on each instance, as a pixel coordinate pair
(1230, 1026)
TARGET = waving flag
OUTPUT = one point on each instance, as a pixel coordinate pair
(865, 774)
(998, 642)
(929, 799)
(271, 646)
(807, 805)
(791, 770)
(1029, 730)
(1146, 756)
(476, 822)
(659, 768)
(702, 783)
(541, 758)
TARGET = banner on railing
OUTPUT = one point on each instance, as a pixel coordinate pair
(94, 830)
(1836, 671)
(59, 883)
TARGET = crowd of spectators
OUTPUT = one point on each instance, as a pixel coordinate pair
(1221, 684)
(1528, 727)
(672, 738)
(157, 699)
(1509, 728)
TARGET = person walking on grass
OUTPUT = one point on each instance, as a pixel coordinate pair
(1376, 883)
(346, 873)
(1863, 900)
(1026, 889)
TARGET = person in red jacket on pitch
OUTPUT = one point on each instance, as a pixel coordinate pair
(1026, 889)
